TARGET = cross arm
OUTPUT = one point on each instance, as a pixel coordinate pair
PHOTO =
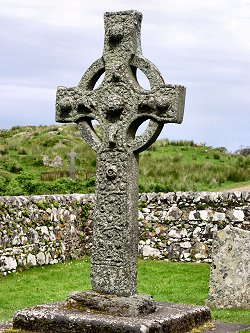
(164, 104)
(73, 104)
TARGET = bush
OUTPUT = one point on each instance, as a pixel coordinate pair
(222, 149)
(12, 166)
(237, 175)
(243, 162)
(243, 151)
(216, 156)
(37, 162)
(3, 184)
(162, 188)
(3, 150)
(51, 141)
(22, 151)
(23, 184)
(155, 187)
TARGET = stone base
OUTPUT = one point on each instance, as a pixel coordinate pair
(132, 306)
(57, 318)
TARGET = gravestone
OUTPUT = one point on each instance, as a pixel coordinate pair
(230, 269)
(120, 105)
(72, 155)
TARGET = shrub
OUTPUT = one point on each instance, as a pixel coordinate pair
(23, 184)
(22, 151)
(243, 151)
(14, 128)
(38, 162)
(243, 162)
(216, 156)
(236, 175)
(3, 150)
(12, 166)
(222, 149)
(51, 141)
(177, 158)
(162, 188)
(90, 182)
(3, 184)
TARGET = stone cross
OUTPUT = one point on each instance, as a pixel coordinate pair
(72, 155)
(120, 105)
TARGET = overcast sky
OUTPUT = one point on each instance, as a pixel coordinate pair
(204, 45)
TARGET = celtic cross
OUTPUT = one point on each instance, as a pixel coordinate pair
(72, 155)
(120, 105)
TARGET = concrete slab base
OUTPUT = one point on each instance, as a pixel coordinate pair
(168, 318)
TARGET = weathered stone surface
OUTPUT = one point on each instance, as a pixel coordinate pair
(174, 214)
(214, 326)
(218, 216)
(199, 251)
(238, 215)
(230, 271)
(55, 162)
(132, 306)
(120, 105)
(150, 252)
(174, 318)
(31, 259)
(8, 263)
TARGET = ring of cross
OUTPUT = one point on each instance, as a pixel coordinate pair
(88, 82)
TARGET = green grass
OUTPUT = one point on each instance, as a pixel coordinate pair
(165, 166)
(166, 281)
(39, 285)
(174, 282)
(184, 167)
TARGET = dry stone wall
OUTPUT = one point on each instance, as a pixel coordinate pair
(40, 230)
(179, 226)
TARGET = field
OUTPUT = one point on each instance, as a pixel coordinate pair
(165, 281)
(26, 153)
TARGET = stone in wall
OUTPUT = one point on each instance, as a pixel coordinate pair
(230, 270)
(8, 263)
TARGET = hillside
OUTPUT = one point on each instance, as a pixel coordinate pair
(32, 157)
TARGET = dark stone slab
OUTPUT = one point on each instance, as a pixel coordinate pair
(168, 317)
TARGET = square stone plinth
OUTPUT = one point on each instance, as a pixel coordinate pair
(168, 318)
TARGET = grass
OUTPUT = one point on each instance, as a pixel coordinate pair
(39, 285)
(165, 166)
(184, 167)
(166, 281)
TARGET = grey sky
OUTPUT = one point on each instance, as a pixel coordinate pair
(203, 45)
